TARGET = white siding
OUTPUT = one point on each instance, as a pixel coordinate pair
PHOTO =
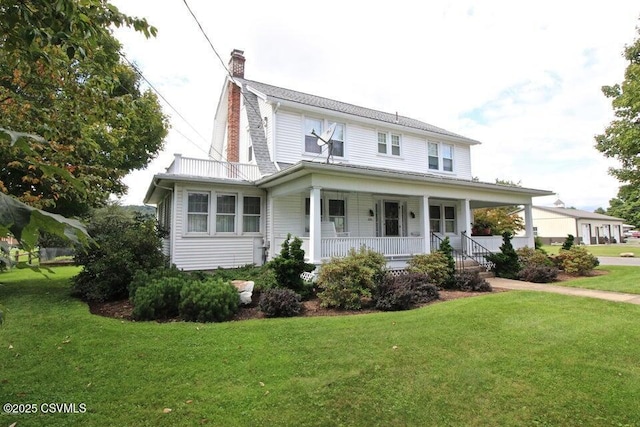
(266, 112)
(288, 216)
(361, 146)
(210, 252)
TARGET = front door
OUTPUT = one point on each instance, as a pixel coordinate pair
(586, 234)
(392, 219)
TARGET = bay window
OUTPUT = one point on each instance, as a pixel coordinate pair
(198, 212)
(225, 213)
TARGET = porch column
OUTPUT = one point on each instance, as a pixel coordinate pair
(466, 217)
(425, 229)
(528, 225)
(315, 227)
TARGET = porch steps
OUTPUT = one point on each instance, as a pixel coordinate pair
(472, 265)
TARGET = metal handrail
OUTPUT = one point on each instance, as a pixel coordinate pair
(457, 256)
(475, 251)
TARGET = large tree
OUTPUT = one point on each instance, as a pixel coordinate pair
(621, 139)
(73, 120)
(626, 205)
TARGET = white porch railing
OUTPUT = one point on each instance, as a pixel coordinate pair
(388, 246)
(493, 243)
(214, 169)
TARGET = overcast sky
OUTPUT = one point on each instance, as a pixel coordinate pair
(522, 78)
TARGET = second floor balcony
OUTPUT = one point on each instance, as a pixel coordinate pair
(214, 169)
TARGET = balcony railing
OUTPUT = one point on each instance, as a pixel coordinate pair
(214, 169)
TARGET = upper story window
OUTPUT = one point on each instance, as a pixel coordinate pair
(310, 141)
(440, 156)
(389, 143)
(318, 126)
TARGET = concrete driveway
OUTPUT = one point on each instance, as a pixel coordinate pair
(609, 260)
(498, 282)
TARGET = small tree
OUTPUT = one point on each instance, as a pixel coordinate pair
(568, 242)
(505, 263)
(290, 264)
(447, 250)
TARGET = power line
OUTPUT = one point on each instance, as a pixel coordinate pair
(208, 153)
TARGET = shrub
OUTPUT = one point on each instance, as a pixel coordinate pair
(158, 299)
(344, 282)
(280, 303)
(141, 277)
(290, 264)
(124, 244)
(568, 242)
(538, 273)
(505, 263)
(537, 243)
(212, 300)
(471, 281)
(435, 265)
(447, 250)
(402, 292)
(528, 256)
(577, 261)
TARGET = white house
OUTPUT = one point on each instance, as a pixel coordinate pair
(394, 184)
(553, 224)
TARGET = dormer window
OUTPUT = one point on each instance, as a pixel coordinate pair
(440, 157)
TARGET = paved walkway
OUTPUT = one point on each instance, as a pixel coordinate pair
(606, 260)
(498, 282)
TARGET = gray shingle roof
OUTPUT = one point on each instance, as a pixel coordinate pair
(256, 130)
(577, 213)
(279, 93)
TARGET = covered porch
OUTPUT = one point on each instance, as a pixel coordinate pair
(333, 214)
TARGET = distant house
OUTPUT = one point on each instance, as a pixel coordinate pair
(553, 225)
(390, 183)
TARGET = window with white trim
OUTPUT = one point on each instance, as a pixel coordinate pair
(447, 157)
(225, 213)
(389, 143)
(337, 214)
(337, 141)
(440, 156)
(434, 159)
(449, 219)
(197, 212)
(311, 141)
(435, 218)
(251, 214)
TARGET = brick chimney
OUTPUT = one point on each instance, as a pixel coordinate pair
(236, 68)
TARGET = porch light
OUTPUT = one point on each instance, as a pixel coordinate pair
(371, 212)
(412, 215)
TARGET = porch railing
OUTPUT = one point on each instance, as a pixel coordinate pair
(388, 246)
(476, 251)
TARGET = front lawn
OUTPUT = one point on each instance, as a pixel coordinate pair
(617, 279)
(511, 358)
(613, 250)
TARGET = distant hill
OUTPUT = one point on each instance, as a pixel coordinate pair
(145, 210)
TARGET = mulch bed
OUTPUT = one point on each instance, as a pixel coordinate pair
(124, 309)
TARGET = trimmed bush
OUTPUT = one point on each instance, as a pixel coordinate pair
(577, 261)
(212, 300)
(158, 299)
(435, 265)
(280, 303)
(471, 281)
(290, 264)
(404, 291)
(142, 278)
(346, 282)
(505, 263)
(447, 250)
(538, 273)
(528, 256)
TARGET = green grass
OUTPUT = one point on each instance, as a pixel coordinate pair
(508, 359)
(618, 279)
(601, 250)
